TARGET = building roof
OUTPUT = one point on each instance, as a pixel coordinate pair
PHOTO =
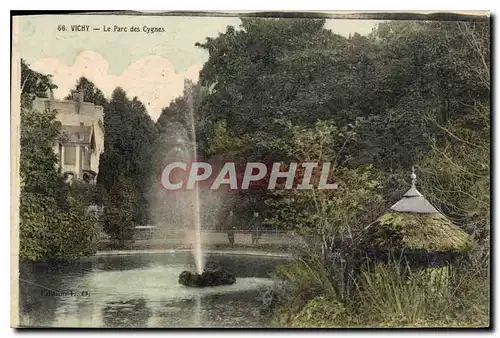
(429, 232)
(413, 201)
(77, 134)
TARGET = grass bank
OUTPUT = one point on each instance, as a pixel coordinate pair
(382, 296)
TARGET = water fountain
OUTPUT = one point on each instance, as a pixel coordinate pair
(197, 247)
(202, 277)
(141, 288)
(181, 209)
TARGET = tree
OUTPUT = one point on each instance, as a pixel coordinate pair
(53, 223)
(34, 84)
(127, 163)
(266, 70)
(326, 216)
(457, 170)
(116, 157)
(386, 82)
(90, 92)
(456, 174)
(396, 87)
(120, 212)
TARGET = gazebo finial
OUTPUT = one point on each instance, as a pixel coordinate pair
(413, 201)
(413, 177)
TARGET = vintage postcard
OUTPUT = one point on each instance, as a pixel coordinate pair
(251, 170)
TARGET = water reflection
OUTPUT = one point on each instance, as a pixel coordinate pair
(35, 310)
(198, 321)
(175, 314)
(130, 313)
(142, 291)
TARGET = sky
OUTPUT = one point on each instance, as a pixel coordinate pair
(152, 67)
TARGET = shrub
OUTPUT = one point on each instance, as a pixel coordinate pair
(386, 295)
(301, 282)
(321, 312)
(53, 223)
(390, 297)
(120, 211)
(49, 232)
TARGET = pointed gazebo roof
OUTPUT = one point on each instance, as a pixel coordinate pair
(415, 224)
(413, 201)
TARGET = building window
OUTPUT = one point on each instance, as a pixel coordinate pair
(60, 155)
(85, 158)
(70, 155)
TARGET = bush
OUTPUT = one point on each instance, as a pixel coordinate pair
(120, 213)
(53, 223)
(390, 297)
(301, 282)
(386, 296)
(321, 312)
(49, 232)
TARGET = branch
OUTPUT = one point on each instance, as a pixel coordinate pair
(24, 83)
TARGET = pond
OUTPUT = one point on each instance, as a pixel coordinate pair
(142, 290)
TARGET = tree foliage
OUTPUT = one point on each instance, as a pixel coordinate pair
(34, 84)
(90, 92)
(53, 223)
(386, 82)
(325, 216)
(121, 210)
(406, 94)
(130, 136)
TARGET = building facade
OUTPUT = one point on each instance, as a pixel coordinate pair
(82, 136)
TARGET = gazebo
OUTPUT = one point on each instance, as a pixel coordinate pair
(414, 229)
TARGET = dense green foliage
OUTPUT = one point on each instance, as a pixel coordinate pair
(121, 203)
(90, 92)
(53, 222)
(126, 166)
(409, 93)
(404, 95)
(51, 232)
(385, 295)
(457, 172)
(34, 84)
(299, 71)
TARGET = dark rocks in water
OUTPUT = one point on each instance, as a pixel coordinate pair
(210, 277)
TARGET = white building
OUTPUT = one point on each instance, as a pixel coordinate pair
(82, 136)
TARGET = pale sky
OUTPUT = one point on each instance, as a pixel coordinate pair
(150, 66)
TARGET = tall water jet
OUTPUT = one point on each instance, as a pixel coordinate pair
(197, 245)
(179, 214)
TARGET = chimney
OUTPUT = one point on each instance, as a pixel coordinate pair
(78, 98)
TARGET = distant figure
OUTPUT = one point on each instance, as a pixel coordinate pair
(230, 236)
(230, 233)
(255, 236)
(255, 230)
